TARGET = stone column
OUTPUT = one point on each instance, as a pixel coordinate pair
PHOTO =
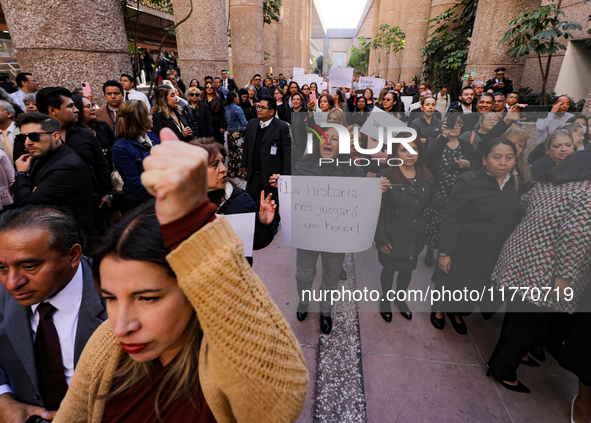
(306, 33)
(395, 9)
(491, 23)
(274, 46)
(383, 57)
(246, 20)
(373, 54)
(587, 107)
(326, 55)
(65, 43)
(297, 39)
(201, 39)
(288, 36)
(416, 30)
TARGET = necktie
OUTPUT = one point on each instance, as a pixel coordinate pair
(7, 144)
(126, 96)
(48, 358)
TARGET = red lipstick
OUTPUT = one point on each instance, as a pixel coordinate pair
(134, 348)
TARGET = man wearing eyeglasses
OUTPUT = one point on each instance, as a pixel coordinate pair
(51, 172)
(228, 82)
(266, 150)
(261, 91)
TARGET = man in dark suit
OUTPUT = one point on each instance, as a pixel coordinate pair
(261, 91)
(49, 308)
(466, 103)
(228, 82)
(266, 150)
(51, 172)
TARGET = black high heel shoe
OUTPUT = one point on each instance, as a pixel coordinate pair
(529, 362)
(437, 323)
(325, 324)
(520, 387)
(460, 328)
(404, 310)
(387, 316)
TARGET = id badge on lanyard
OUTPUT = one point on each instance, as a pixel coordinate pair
(274, 149)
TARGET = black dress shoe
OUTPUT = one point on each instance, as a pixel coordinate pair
(520, 387)
(406, 314)
(302, 312)
(325, 324)
(404, 310)
(386, 316)
(437, 323)
(538, 353)
(529, 362)
(429, 260)
(458, 327)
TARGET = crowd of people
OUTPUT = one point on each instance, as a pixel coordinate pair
(500, 207)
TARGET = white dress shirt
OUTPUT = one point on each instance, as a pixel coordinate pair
(19, 98)
(265, 124)
(67, 302)
(10, 133)
(136, 95)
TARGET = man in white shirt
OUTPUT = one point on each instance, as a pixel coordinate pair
(7, 129)
(27, 84)
(130, 93)
(49, 308)
(442, 101)
(555, 119)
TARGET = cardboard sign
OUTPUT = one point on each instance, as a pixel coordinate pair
(332, 214)
(375, 84)
(340, 77)
(243, 224)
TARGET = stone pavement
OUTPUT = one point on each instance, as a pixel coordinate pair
(368, 370)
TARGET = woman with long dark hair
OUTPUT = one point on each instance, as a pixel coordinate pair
(400, 233)
(368, 94)
(361, 112)
(213, 100)
(282, 105)
(250, 110)
(481, 212)
(101, 130)
(167, 114)
(236, 122)
(168, 275)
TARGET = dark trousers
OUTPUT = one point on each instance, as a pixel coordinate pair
(520, 331)
(387, 280)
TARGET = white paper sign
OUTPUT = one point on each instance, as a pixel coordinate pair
(243, 224)
(340, 77)
(320, 118)
(375, 84)
(298, 71)
(379, 120)
(333, 214)
(407, 101)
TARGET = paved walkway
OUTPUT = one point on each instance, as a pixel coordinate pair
(368, 370)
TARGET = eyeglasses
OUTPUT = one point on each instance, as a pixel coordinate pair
(262, 108)
(193, 95)
(209, 88)
(33, 136)
(257, 79)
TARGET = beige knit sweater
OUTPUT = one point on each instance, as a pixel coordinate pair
(251, 367)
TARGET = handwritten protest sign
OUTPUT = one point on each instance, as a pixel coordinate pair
(340, 77)
(376, 85)
(332, 214)
(298, 71)
(379, 120)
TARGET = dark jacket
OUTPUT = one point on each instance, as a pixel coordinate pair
(89, 148)
(60, 179)
(276, 135)
(261, 92)
(506, 90)
(457, 107)
(541, 166)
(479, 216)
(297, 122)
(426, 130)
(128, 157)
(241, 202)
(402, 222)
(202, 118)
(250, 111)
(282, 110)
(231, 85)
(160, 121)
(435, 149)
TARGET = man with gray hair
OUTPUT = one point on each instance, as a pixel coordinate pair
(7, 129)
(49, 308)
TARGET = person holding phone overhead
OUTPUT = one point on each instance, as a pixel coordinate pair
(557, 117)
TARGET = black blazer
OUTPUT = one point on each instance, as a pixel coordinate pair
(17, 358)
(202, 118)
(277, 134)
(231, 85)
(61, 179)
(159, 122)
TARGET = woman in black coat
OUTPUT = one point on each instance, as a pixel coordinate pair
(200, 112)
(482, 210)
(166, 114)
(400, 233)
(213, 100)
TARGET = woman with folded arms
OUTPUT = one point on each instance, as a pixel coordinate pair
(167, 354)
